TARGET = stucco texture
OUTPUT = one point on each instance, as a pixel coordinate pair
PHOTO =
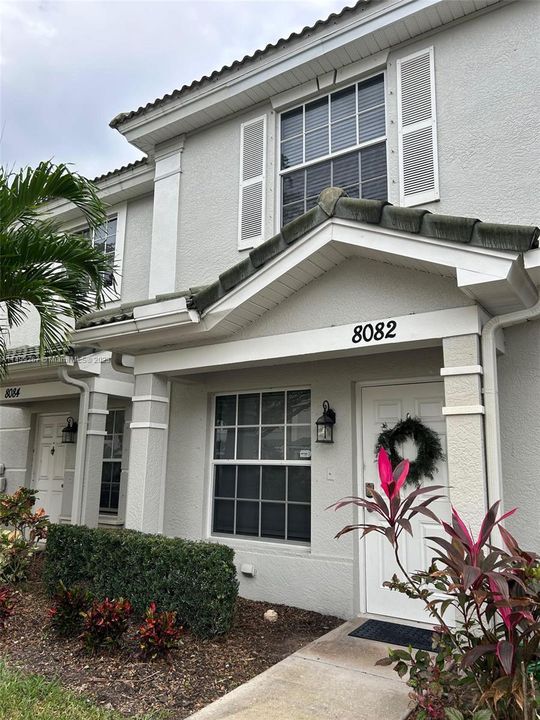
(136, 265)
(358, 289)
(324, 576)
(209, 196)
(519, 399)
(486, 77)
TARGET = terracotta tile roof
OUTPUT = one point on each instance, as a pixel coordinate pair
(30, 353)
(130, 166)
(334, 202)
(320, 24)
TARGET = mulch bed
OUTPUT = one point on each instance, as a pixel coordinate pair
(200, 672)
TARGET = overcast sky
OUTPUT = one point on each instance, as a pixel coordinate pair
(67, 68)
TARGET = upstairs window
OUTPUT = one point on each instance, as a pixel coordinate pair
(104, 238)
(338, 140)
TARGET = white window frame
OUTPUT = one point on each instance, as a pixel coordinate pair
(252, 242)
(338, 153)
(120, 213)
(115, 513)
(233, 537)
(427, 195)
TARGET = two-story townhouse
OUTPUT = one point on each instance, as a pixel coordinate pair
(305, 229)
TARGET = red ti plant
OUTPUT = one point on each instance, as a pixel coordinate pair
(158, 634)
(495, 592)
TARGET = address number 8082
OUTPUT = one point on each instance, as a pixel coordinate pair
(375, 332)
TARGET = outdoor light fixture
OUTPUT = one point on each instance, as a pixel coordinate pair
(325, 424)
(69, 433)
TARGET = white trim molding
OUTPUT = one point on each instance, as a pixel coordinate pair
(419, 329)
(462, 370)
(152, 425)
(149, 398)
(100, 433)
(97, 411)
(464, 410)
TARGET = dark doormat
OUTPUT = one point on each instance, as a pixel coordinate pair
(394, 634)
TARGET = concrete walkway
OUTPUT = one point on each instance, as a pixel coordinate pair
(332, 678)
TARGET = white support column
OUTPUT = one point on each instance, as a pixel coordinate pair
(148, 454)
(166, 217)
(93, 459)
(465, 426)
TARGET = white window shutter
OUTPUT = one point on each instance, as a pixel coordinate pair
(252, 183)
(417, 129)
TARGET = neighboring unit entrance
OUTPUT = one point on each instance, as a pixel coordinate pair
(49, 464)
(390, 404)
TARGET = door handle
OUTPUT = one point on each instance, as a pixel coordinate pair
(53, 450)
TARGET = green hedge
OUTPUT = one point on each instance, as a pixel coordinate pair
(196, 579)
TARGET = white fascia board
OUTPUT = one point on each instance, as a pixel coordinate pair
(272, 270)
(147, 318)
(493, 263)
(128, 183)
(342, 76)
(309, 345)
(276, 64)
(36, 391)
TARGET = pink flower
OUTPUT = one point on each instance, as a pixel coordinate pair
(391, 480)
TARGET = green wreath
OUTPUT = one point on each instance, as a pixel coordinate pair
(430, 450)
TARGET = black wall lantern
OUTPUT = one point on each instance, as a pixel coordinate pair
(69, 433)
(325, 424)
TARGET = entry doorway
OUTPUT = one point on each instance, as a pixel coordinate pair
(389, 404)
(49, 464)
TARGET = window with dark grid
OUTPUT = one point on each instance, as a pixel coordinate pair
(262, 465)
(338, 140)
(112, 462)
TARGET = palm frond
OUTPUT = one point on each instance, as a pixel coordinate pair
(23, 193)
(58, 273)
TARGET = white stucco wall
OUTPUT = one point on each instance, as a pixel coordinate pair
(358, 289)
(209, 194)
(485, 74)
(323, 577)
(137, 245)
(17, 436)
(519, 397)
(486, 77)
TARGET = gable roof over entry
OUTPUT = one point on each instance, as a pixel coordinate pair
(478, 253)
(334, 202)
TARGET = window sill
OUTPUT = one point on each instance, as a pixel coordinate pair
(112, 520)
(254, 545)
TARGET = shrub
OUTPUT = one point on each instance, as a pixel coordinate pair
(105, 623)
(197, 580)
(494, 593)
(158, 634)
(7, 605)
(24, 530)
(66, 614)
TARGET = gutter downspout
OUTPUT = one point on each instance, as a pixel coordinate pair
(118, 365)
(491, 393)
(80, 452)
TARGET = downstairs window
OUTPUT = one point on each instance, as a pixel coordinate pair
(262, 465)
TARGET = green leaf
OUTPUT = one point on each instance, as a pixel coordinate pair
(401, 669)
(453, 714)
(385, 661)
(482, 715)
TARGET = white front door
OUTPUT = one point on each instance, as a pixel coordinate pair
(49, 463)
(390, 404)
